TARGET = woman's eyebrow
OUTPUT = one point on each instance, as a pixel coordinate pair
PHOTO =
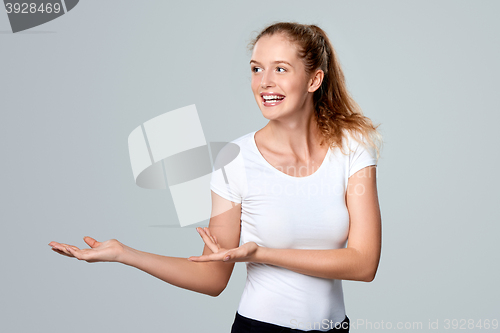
(274, 62)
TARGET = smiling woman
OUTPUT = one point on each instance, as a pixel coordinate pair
(302, 201)
(275, 64)
(308, 188)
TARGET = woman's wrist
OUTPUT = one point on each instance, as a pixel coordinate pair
(125, 255)
(259, 254)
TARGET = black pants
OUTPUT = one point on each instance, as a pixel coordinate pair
(247, 325)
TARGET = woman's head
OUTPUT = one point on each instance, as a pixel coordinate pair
(334, 108)
(281, 84)
(312, 45)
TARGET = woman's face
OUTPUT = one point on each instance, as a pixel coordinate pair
(279, 80)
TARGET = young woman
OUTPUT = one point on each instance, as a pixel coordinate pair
(303, 203)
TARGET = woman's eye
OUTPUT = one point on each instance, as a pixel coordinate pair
(256, 69)
(280, 69)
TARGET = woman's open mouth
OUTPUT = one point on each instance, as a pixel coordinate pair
(271, 99)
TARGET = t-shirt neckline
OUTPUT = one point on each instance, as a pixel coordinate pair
(322, 166)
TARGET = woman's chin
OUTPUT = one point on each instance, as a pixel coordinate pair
(269, 112)
(268, 115)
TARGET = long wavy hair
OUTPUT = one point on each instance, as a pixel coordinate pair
(336, 111)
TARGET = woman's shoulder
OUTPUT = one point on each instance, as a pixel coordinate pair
(244, 139)
(353, 139)
(228, 151)
(355, 143)
(241, 143)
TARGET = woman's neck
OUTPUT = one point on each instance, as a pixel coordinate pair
(300, 138)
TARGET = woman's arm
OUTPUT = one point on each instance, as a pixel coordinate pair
(208, 278)
(211, 278)
(358, 261)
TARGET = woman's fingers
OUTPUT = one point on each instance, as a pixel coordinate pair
(207, 231)
(212, 237)
(208, 240)
(239, 254)
(61, 252)
(217, 243)
(74, 253)
(242, 253)
(85, 254)
(105, 251)
(208, 257)
(91, 241)
(62, 248)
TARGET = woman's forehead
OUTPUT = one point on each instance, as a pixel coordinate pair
(275, 47)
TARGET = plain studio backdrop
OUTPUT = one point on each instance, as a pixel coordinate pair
(73, 89)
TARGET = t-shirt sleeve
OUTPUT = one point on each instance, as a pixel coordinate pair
(361, 156)
(228, 174)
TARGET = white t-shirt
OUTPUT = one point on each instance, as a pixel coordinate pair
(283, 211)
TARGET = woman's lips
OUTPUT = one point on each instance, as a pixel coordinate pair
(272, 99)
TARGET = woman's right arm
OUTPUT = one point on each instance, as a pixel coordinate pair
(209, 278)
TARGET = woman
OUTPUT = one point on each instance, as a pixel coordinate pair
(307, 183)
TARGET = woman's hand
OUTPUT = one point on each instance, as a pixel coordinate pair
(244, 253)
(105, 251)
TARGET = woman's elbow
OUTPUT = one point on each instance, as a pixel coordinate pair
(369, 278)
(214, 292)
(366, 267)
(369, 275)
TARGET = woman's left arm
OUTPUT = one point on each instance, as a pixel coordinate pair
(358, 261)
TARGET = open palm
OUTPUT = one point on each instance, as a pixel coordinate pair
(99, 251)
(243, 253)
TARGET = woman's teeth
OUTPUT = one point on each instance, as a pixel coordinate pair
(273, 98)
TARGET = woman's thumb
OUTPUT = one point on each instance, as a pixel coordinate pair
(229, 255)
(91, 242)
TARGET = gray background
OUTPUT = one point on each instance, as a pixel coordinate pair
(72, 90)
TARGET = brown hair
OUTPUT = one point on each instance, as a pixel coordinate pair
(335, 109)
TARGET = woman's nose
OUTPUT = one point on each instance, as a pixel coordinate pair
(267, 80)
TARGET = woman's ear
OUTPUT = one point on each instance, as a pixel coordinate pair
(316, 80)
